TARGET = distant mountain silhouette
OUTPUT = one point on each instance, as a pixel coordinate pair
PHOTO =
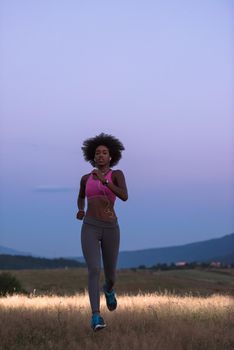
(225, 259)
(217, 249)
(205, 251)
(6, 250)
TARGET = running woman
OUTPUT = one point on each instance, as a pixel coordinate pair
(100, 233)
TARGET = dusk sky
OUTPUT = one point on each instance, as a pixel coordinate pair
(156, 74)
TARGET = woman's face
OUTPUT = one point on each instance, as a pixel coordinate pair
(102, 156)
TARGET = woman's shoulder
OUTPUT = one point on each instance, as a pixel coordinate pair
(117, 173)
(85, 177)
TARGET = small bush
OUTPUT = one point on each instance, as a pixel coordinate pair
(9, 284)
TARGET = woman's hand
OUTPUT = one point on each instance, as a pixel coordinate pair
(80, 215)
(99, 175)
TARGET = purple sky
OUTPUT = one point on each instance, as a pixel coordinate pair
(158, 75)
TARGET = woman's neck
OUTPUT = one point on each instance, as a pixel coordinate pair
(104, 169)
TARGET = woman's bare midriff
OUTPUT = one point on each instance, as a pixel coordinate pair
(101, 208)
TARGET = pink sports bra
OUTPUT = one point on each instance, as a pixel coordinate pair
(94, 188)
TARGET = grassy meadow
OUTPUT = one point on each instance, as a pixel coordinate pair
(71, 281)
(164, 310)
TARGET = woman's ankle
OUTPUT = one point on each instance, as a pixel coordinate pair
(95, 312)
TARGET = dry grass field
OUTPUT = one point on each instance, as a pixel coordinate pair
(179, 282)
(146, 321)
(171, 310)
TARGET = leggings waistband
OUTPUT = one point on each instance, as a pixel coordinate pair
(100, 223)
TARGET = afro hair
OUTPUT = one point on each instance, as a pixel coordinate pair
(114, 146)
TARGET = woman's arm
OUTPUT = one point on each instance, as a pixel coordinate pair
(81, 198)
(118, 187)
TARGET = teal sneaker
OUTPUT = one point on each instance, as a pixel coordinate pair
(111, 301)
(97, 322)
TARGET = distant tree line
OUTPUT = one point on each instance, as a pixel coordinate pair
(192, 265)
(19, 262)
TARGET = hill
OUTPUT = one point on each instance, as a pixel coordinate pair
(10, 251)
(225, 259)
(218, 249)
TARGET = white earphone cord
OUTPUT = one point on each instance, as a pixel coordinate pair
(107, 210)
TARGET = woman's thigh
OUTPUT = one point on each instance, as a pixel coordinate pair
(90, 242)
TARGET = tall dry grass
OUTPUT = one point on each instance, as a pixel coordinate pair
(143, 321)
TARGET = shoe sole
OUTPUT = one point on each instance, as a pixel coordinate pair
(111, 308)
(99, 327)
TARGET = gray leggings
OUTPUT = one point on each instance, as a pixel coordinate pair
(100, 236)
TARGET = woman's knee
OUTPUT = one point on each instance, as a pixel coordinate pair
(94, 271)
